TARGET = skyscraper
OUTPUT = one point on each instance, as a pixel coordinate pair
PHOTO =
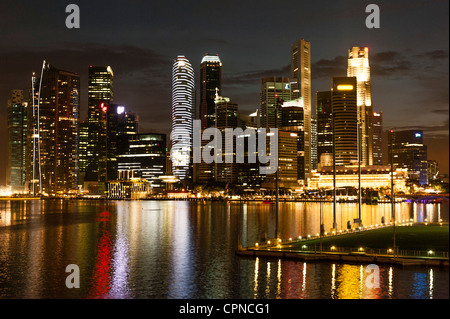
(273, 88)
(58, 130)
(358, 66)
(144, 157)
(183, 89)
(343, 102)
(100, 94)
(409, 152)
(293, 121)
(301, 87)
(324, 117)
(226, 118)
(17, 141)
(210, 80)
(377, 138)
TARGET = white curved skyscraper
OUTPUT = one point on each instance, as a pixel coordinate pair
(182, 116)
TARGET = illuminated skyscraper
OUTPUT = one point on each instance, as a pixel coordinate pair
(301, 88)
(273, 88)
(409, 152)
(17, 141)
(358, 66)
(344, 108)
(57, 131)
(183, 91)
(100, 94)
(210, 79)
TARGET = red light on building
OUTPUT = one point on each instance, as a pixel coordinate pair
(103, 107)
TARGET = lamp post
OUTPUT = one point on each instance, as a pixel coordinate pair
(392, 184)
(277, 186)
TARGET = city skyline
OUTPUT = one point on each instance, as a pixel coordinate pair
(395, 70)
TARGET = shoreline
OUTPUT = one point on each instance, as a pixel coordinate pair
(398, 261)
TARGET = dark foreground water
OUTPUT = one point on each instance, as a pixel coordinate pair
(178, 249)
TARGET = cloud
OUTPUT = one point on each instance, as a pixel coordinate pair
(252, 77)
(327, 68)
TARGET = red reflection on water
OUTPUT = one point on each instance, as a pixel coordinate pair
(101, 279)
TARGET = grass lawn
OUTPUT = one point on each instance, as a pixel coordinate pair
(407, 237)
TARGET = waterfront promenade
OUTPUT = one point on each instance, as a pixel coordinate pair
(418, 244)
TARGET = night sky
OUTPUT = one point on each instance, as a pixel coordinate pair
(409, 54)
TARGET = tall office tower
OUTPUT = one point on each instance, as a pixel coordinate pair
(210, 80)
(273, 88)
(292, 120)
(314, 143)
(17, 141)
(226, 117)
(100, 94)
(358, 66)
(58, 130)
(183, 89)
(377, 138)
(409, 152)
(344, 108)
(301, 87)
(144, 157)
(324, 117)
(121, 125)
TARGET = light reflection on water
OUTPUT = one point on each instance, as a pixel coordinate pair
(177, 249)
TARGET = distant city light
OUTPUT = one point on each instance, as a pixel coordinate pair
(120, 109)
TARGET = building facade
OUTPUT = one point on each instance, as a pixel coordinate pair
(56, 123)
(210, 80)
(410, 153)
(324, 118)
(17, 141)
(183, 94)
(100, 95)
(358, 66)
(345, 115)
(301, 88)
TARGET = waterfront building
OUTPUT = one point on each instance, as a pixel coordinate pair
(100, 95)
(55, 126)
(292, 120)
(301, 88)
(372, 177)
(343, 102)
(210, 80)
(183, 93)
(17, 141)
(287, 161)
(410, 153)
(144, 158)
(358, 66)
